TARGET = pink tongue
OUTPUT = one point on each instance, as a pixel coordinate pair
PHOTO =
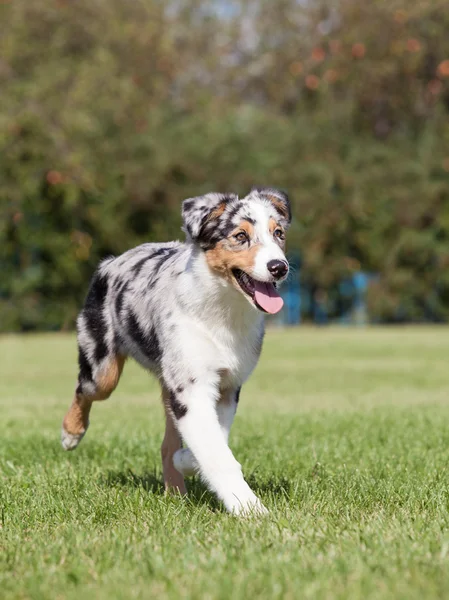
(267, 297)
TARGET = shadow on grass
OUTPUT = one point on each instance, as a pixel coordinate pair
(275, 485)
(152, 482)
(127, 479)
(197, 492)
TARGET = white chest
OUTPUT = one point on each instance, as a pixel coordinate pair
(229, 349)
(238, 352)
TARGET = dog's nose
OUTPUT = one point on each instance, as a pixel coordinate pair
(278, 268)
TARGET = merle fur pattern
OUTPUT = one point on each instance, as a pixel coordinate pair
(161, 305)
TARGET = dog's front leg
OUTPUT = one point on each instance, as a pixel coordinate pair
(226, 408)
(196, 419)
(183, 459)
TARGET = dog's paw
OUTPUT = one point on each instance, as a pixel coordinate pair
(70, 441)
(243, 502)
(184, 462)
(251, 508)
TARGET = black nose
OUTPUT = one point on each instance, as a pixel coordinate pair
(278, 268)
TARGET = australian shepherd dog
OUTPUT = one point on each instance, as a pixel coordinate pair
(192, 313)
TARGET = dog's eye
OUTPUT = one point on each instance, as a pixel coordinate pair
(279, 234)
(241, 236)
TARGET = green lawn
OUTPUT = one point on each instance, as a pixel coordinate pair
(343, 433)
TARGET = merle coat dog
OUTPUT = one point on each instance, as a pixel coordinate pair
(193, 314)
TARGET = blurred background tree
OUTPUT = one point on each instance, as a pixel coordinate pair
(112, 112)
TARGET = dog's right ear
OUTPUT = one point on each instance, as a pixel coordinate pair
(201, 213)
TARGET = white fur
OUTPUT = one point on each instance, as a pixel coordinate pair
(209, 345)
(269, 249)
(70, 441)
(206, 337)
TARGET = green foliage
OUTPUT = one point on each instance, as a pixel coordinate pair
(111, 113)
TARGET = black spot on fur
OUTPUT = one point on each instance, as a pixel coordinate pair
(229, 225)
(139, 265)
(85, 370)
(179, 389)
(147, 342)
(210, 235)
(158, 252)
(169, 252)
(93, 314)
(250, 220)
(237, 395)
(178, 409)
(97, 291)
(197, 220)
(136, 269)
(188, 205)
(153, 280)
(192, 380)
(84, 365)
(226, 230)
(119, 299)
(234, 210)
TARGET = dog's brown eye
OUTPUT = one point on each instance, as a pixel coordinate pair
(241, 236)
(278, 233)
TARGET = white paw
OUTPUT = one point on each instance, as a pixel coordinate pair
(184, 462)
(249, 508)
(70, 441)
(240, 500)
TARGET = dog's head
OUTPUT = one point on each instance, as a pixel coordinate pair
(243, 240)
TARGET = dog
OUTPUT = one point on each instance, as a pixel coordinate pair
(192, 313)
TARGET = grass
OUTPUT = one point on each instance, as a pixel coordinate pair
(343, 433)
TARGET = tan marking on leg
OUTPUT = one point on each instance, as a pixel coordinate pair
(77, 418)
(108, 378)
(173, 480)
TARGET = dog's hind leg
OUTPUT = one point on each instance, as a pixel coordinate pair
(100, 363)
(93, 384)
(171, 445)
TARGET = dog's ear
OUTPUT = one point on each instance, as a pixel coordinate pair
(200, 214)
(279, 200)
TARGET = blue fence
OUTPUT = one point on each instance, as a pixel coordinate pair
(346, 305)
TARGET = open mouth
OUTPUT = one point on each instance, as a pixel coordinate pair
(263, 294)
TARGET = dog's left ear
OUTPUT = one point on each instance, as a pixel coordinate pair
(279, 200)
(199, 215)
